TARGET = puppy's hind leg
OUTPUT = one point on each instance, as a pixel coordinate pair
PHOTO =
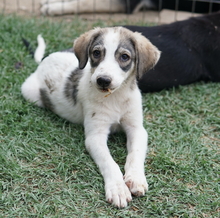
(30, 90)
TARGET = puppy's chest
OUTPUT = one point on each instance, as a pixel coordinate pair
(110, 108)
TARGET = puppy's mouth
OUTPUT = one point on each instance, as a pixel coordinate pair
(107, 91)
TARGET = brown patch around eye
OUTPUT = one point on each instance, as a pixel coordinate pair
(96, 50)
(97, 54)
(124, 57)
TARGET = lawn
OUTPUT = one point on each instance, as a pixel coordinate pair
(45, 170)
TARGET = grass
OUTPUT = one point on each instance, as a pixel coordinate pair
(45, 170)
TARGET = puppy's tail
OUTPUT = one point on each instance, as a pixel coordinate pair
(39, 52)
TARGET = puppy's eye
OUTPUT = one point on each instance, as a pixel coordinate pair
(96, 54)
(125, 57)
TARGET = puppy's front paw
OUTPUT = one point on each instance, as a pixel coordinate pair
(137, 183)
(118, 194)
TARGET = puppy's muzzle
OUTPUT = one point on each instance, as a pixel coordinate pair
(104, 82)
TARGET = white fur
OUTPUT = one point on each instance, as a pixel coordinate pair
(99, 114)
(59, 7)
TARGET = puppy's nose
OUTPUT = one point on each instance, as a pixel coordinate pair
(104, 81)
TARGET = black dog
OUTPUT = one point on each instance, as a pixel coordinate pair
(190, 52)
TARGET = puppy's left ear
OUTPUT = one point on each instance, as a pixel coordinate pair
(147, 55)
(82, 44)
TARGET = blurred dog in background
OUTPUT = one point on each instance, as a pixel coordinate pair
(61, 7)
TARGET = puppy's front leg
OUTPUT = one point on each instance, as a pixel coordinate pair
(116, 190)
(134, 168)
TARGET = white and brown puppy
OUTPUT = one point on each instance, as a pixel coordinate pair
(97, 87)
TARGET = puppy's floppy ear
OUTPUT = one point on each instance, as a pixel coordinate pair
(82, 44)
(147, 55)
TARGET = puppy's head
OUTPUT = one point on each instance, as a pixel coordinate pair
(115, 54)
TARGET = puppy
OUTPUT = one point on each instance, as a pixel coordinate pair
(97, 87)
